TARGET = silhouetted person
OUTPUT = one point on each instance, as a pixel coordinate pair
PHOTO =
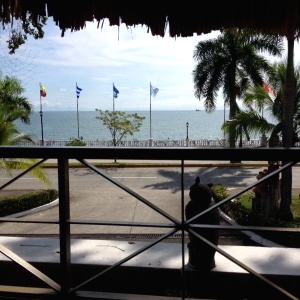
(201, 255)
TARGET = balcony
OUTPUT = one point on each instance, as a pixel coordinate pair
(77, 270)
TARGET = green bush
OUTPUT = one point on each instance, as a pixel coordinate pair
(13, 205)
(240, 211)
(76, 142)
(219, 192)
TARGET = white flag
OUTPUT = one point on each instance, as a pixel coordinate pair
(153, 91)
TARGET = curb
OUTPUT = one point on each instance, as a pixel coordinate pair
(253, 236)
(157, 165)
(36, 209)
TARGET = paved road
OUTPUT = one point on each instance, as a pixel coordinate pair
(95, 198)
(154, 178)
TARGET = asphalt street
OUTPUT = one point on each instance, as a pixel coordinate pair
(94, 197)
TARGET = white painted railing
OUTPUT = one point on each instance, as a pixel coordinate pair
(154, 143)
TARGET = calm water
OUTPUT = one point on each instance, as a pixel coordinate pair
(62, 125)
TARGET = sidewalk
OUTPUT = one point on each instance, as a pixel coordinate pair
(51, 163)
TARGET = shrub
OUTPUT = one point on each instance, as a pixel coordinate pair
(240, 211)
(76, 142)
(13, 205)
(219, 192)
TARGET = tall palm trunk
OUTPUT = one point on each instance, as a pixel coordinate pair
(287, 132)
(232, 114)
(232, 106)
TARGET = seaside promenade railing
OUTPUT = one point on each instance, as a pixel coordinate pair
(85, 155)
(152, 143)
(253, 143)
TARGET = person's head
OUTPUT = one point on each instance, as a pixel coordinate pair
(200, 193)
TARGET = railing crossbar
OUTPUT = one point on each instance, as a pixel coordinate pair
(64, 155)
(243, 266)
(129, 191)
(249, 187)
(21, 174)
(24, 264)
(124, 260)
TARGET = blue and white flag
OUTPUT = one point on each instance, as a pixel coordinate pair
(115, 91)
(78, 90)
(153, 90)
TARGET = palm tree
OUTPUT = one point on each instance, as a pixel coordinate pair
(9, 135)
(11, 99)
(287, 129)
(253, 123)
(247, 123)
(231, 62)
(13, 106)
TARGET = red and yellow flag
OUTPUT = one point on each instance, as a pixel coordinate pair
(42, 91)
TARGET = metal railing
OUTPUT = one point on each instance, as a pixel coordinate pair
(63, 155)
(152, 143)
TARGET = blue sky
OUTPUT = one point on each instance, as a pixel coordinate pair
(96, 58)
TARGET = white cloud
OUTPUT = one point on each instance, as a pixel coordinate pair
(96, 58)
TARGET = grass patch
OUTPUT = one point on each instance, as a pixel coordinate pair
(240, 211)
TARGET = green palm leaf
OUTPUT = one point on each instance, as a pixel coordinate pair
(13, 107)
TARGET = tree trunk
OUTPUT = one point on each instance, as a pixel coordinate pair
(232, 108)
(267, 194)
(232, 113)
(288, 132)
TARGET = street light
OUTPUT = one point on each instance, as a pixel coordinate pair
(187, 130)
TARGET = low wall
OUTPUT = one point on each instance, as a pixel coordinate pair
(157, 271)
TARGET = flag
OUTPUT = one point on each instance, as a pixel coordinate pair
(269, 89)
(115, 91)
(266, 88)
(78, 90)
(42, 91)
(153, 90)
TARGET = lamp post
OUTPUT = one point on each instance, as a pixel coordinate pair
(187, 130)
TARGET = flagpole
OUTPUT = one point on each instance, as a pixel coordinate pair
(114, 140)
(41, 114)
(150, 116)
(224, 118)
(77, 115)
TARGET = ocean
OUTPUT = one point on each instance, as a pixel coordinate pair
(63, 125)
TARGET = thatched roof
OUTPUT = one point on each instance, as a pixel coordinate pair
(184, 18)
